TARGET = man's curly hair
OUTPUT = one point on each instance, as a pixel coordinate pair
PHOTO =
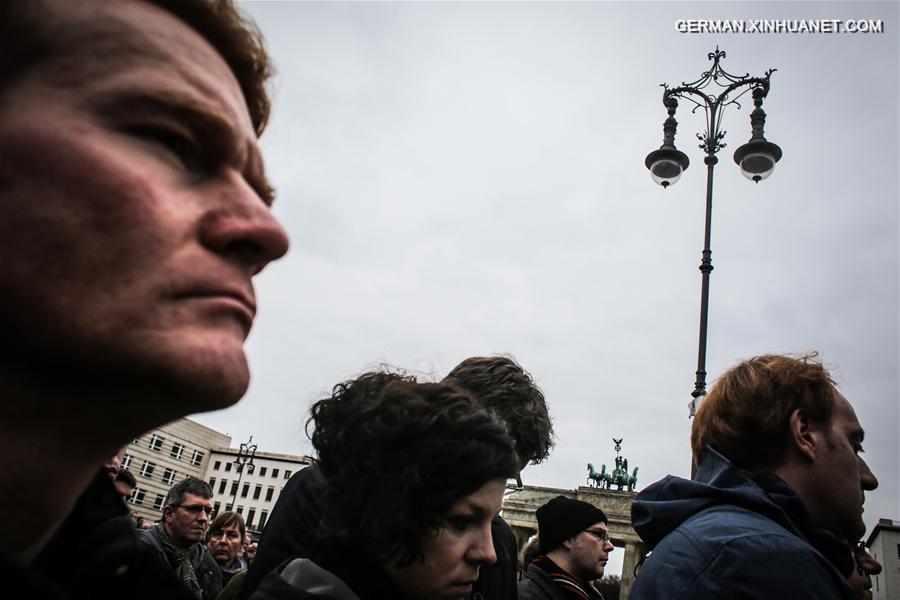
(396, 455)
(501, 385)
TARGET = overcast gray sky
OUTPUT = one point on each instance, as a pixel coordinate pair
(466, 179)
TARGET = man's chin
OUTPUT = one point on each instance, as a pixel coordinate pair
(207, 376)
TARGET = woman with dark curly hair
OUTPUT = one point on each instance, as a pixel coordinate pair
(414, 473)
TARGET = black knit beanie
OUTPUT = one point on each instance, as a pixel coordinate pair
(562, 518)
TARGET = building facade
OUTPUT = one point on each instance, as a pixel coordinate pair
(884, 545)
(166, 455)
(250, 491)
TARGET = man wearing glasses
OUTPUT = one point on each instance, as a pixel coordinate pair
(177, 538)
(575, 546)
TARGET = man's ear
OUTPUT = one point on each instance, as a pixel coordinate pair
(569, 543)
(804, 437)
(167, 514)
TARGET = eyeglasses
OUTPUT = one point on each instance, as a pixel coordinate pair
(195, 509)
(602, 536)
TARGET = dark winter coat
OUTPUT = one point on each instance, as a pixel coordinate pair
(209, 576)
(292, 528)
(95, 555)
(535, 585)
(731, 534)
(335, 572)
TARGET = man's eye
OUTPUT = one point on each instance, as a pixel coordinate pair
(178, 144)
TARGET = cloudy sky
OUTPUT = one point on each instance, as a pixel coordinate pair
(468, 178)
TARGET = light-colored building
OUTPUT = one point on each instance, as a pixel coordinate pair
(251, 492)
(165, 455)
(884, 545)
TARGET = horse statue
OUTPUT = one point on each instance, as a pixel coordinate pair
(632, 480)
(619, 476)
(598, 480)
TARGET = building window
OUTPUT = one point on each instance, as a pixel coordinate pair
(126, 462)
(240, 510)
(157, 504)
(269, 493)
(212, 482)
(262, 519)
(156, 443)
(274, 473)
(168, 476)
(176, 451)
(262, 471)
(228, 507)
(234, 486)
(245, 491)
(257, 492)
(216, 507)
(147, 469)
(227, 467)
(250, 514)
(217, 466)
(222, 485)
(138, 496)
(197, 458)
(287, 474)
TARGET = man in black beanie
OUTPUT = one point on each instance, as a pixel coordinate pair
(574, 543)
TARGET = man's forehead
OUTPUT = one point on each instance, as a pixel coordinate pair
(98, 42)
(194, 499)
(845, 416)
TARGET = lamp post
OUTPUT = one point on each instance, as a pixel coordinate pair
(244, 458)
(756, 158)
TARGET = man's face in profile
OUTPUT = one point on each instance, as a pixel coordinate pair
(135, 209)
(123, 490)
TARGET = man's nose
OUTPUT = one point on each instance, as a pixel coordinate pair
(867, 478)
(245, 230)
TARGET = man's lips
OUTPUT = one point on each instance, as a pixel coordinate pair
(240, 301)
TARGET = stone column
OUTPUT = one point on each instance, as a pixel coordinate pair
(634, 552)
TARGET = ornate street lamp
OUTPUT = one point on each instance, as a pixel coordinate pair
(244, 458)
(756, 158)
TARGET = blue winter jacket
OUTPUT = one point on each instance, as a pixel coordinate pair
(735, 535)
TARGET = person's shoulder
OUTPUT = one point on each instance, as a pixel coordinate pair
(293, 581)
(534, 585)
(26, 582)
(734, 553)
(148, 536)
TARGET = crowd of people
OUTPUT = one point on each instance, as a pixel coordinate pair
(135, 215)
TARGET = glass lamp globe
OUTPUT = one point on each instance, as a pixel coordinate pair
(666, 171)
(757, 166)
(666, 165)
(757, 159)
